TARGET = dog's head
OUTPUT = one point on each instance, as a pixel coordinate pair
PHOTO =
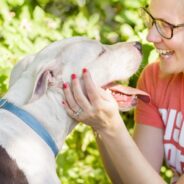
(106, 63)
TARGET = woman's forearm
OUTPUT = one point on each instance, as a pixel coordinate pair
(100, 111)
(108, 163)
(127, 159)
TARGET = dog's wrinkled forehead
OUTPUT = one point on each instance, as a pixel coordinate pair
(75, 56)
(81, 50)
(65, 50)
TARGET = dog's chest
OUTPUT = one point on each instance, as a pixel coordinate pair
(9, 171)
(30, 153)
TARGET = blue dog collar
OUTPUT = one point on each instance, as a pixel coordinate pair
(31, 122)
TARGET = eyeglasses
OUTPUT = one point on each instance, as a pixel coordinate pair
(164, 28)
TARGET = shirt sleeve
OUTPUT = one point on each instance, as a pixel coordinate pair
(148, 113)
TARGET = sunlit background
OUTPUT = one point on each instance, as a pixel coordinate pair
(26, 26)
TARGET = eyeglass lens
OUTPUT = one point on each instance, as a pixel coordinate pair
(162, 27)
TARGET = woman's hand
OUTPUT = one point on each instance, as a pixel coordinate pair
(91, 105)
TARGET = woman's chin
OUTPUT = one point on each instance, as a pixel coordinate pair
(169, 69)
(167, 65)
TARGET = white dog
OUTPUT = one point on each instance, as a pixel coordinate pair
(33, 122)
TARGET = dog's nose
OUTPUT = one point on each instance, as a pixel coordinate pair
(138, 46)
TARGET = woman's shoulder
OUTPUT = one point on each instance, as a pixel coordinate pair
(152, 67)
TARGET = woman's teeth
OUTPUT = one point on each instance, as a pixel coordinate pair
(165, 52)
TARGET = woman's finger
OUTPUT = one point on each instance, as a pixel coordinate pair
(91, 88)
(70, 98)
(78, 93)
(67, 108)
(75, 115)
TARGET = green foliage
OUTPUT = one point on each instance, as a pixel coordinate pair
(26, 26)
(80, 159)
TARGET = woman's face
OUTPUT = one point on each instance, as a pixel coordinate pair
(171, 51)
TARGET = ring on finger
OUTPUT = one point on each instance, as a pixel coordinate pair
(77, 113)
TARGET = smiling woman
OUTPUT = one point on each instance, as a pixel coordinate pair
(163, 80)
(170, 50)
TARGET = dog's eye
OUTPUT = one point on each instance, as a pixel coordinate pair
(52, 74)
(102, 52)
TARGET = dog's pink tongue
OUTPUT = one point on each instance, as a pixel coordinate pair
(129, 91)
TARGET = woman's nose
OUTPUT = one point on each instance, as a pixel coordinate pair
(153, 35)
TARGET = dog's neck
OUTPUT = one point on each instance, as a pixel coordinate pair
(48, 109)
(50, 112)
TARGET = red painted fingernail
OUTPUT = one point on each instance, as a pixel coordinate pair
(84, 70)
(73, 76)
(65, 85)
(63, 102)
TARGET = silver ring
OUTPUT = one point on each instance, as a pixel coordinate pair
(76, 114)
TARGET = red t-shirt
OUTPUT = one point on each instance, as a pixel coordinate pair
(165, 111)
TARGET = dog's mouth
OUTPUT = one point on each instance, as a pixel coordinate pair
(126, 96)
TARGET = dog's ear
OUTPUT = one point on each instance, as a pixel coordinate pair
(41, 84)
(19, 68)
(31, 78)
(45, 77)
